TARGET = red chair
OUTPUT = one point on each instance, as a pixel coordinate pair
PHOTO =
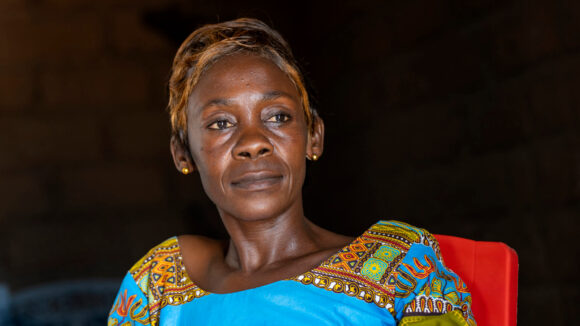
(490, 270)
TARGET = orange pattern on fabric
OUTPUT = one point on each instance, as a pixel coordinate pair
(367, 268)
(162, 277)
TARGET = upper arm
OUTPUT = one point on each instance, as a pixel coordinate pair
(131, 304)
(425, 287)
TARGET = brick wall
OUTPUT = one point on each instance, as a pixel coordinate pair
(459, 117)
(85, 165)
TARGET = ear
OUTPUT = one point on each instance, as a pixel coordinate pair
(315, 144)
(181, 156)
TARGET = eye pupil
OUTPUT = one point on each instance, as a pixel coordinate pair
(220, 125)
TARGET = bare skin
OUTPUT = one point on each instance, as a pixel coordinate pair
(248, 140)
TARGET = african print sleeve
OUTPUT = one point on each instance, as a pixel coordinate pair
(427, 292)
(131, 305)
(158, 279)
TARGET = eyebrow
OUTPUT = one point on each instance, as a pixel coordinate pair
(272, 95)
(268, 96)
(216, 102)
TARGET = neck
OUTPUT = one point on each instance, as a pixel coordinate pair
(259, 244)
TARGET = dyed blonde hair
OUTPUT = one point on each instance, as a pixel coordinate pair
(207, 44)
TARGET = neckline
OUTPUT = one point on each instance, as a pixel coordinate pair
(188, 279)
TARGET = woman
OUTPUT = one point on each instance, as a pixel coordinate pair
(241, 119)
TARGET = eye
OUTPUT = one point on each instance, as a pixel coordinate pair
(278, 118)
(220, 125)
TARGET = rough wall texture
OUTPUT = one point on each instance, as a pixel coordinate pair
(460, 117)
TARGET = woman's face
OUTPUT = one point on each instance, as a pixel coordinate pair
(249, 138)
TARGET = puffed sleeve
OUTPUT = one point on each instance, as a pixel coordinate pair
(131, 305)
(427, 292)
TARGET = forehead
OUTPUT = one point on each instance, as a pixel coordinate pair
(241, 73)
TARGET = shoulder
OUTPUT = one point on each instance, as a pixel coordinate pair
(401, 236)
(200, 244)
(162, 277)
(161, 260)
(423, 285)
(396, 266)
(198, 253)
(142, 289)
(166, 249)
(170, 257)
(391, 245)
(367, 268)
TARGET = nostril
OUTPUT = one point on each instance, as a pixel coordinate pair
(263, 151)
(244, 154)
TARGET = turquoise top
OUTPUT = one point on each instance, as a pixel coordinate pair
(392, 272)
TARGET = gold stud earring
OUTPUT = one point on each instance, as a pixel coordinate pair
(185, 170)
(314, 157)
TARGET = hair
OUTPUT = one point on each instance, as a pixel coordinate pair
(208, 44)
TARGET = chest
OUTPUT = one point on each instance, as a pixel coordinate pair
(219, 278)
(281, 303)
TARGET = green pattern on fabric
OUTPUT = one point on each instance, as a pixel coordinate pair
(453, 318)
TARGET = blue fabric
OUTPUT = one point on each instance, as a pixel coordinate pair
(280, 303)
(128, 297)
(391, 272)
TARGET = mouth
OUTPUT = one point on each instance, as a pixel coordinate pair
(257, 181)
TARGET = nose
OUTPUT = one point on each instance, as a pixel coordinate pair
(252, 144)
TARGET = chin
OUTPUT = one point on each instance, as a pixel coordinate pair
(260, 212)
(257, 210)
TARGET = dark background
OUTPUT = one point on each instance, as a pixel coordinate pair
(458, 116)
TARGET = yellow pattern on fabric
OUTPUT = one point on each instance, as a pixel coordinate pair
(162, 277)
(434, 297)
(374, 268)
(386, 253)
(367, 268)
(453, 318)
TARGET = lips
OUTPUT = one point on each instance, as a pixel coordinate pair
(257, 180)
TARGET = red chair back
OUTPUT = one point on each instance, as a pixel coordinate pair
(490, 270)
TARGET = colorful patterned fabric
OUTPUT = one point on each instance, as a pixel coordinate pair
(392, 274)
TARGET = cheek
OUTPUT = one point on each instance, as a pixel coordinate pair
(210, 174)
(207, 165)
(210, 163)
(294, 150)
(206, 150)
(296, 144)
